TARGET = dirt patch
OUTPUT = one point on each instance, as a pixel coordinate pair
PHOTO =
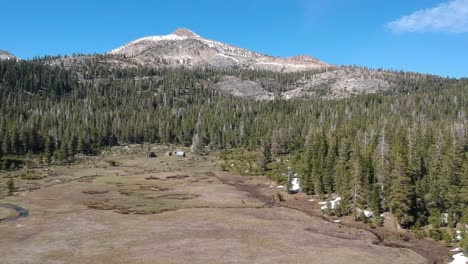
(88, 179)
(179, 196)
(149, 212)
(152, 178)
(253, 190)
(124, 211)
(94, 192)
(127, 211)
(210, 174)
(335, 232)
(101, 205)
(125, 192)
(177, 177)
(154, 188)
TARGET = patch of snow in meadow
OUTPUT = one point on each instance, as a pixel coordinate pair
(459, 258)
(333, 203)
(368, 214)
(295, 185)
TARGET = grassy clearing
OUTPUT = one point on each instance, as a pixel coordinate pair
(165, 203)
(247, 163)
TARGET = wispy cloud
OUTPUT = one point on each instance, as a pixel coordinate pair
(447, 17)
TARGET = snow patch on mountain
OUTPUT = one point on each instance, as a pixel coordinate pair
(5, 55)
(170, 37)
(171, 49)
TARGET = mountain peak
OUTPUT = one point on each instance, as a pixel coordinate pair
(184, 32)
(5, 55)
(183, 47)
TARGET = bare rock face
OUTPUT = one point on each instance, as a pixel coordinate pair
(185, 48)
(5, 55)
(340, 83)
(243, 88)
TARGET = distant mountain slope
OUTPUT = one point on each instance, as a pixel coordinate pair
(236, 71)
(5, 55)
(183, 47)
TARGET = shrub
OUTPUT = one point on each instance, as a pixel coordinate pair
(447, 238)
(435, 234)
(224, 167)
(435, 218)
(280, 197)
(10, 185)
(31, 177)
(420, 234)
(464, 244)
(377, 220)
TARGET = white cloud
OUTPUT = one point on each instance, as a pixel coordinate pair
(446, 17)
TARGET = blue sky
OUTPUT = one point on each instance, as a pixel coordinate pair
(426, 36)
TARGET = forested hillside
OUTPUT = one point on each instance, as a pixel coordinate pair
(402, 150)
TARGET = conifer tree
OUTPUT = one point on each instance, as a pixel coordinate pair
(382, 167)
(402, 195)
(358, 182)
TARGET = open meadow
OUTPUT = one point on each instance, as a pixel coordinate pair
(172, 209)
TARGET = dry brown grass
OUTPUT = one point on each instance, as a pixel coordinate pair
(102, 205)
(173, 221)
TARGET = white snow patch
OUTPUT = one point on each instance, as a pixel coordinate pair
(337, 221)
(280, 187)
(368, 214)
(458, 237)
(170, 37)
(283, 64)
(444, 218)
(229, 57)
(333, 203)
(229, 49)
(295, 185)
(312, 200)
(459, 258)
(456, 250)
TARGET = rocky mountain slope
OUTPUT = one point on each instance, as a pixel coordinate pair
(236, 71)
(183, 47)
(5, 55)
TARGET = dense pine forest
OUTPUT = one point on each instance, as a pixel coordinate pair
(404, 151)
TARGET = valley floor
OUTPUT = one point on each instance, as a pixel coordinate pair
(175, 210)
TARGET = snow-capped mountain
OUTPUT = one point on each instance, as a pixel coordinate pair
(5, 55)
(183, 47)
